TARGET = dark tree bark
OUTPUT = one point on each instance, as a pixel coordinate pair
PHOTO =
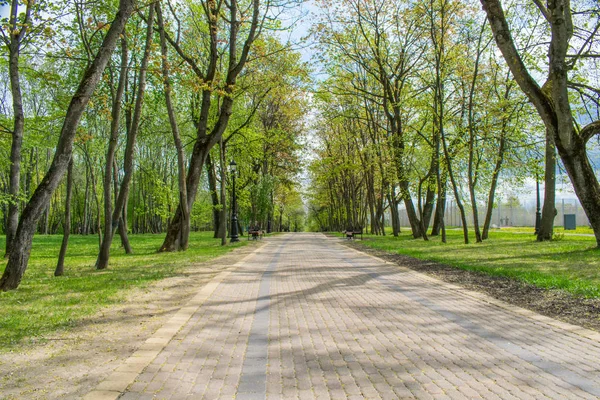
(394, 211)
(214, 196)
(205, 139)
(185, 213)
(552, 101)
(546, 230)
(442, 184)
(110, 169)
(223, 212)
(104, 254)
(123, 220)
(13, 43)
(60, 266)
(19, 256)
(494, 185)
(502, 142)
(90, 168)
(472, 169)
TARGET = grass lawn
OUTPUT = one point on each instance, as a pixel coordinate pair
(571, 263)
(43, 303)
(581, 230)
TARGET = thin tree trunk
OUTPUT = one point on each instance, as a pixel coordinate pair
(493, 186)
(205, 140)
(212, 187)
(548, 211)
(185, 213)
(110, 171)
(223, 211)
(104, 254)
(455, 189)
(86, 204)
(60, 266)
(17, 34)
(19, 256)
(472, 170)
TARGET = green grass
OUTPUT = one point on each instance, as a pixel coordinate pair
(580, 230)
(44, 304)
(571, 264)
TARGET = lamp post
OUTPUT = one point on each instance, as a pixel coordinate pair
(538, 214)
(234, 217)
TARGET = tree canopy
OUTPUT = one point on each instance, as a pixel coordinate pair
(122, 117)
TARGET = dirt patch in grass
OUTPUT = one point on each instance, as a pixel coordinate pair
(552, 303)
(70, 364)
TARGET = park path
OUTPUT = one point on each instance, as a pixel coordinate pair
(305, 317)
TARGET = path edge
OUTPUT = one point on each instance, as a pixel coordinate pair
(554, 323)
(113, 386)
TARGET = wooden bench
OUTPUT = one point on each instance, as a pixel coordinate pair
(255, 234)
(351, 234)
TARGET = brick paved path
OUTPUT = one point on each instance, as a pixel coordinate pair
(307, 318)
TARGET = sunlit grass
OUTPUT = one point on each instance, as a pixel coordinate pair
(43, 303)
(581, 230)
(571, 264)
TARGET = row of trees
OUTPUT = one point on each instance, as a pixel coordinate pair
(421, 106)
(167, 93)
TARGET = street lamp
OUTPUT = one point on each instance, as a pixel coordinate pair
(538, 214)
(234, 217)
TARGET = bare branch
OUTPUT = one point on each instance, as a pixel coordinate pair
(542, 9)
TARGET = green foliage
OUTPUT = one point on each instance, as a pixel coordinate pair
(260, 196)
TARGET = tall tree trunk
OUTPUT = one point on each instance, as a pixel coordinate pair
(104, 254)
(17, 34)
(19, 256)
(472, 169)
(205, 141)
(86, 204)
(394, 214)
(552, 100)
(214, 196)
(60, 266)
(110, 171)
(455, 190)
(223, 217)
(494, 185)
(181, 176)
(90, 165)
(440, 209)
(431, 185)
(549, 210)
(123, 220)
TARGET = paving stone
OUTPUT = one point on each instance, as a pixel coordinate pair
(305, 317)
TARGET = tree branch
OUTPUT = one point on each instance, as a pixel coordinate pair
(588, 131)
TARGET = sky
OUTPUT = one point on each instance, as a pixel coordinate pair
(4, 10)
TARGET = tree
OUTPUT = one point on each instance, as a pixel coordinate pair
(13, 35)
(19, 255)
(207, 137)
(571, 43)
(385, 39)
(132, 132)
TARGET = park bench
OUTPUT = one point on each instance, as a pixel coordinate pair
(255, 234)
(352, 233)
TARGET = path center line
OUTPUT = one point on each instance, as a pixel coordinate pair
(253, 380)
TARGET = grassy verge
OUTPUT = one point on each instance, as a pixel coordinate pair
(581, 230)
(44, 304)
(571, 264)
